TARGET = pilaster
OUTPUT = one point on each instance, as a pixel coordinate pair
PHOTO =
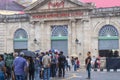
(73, 46)
(42, 35)
(86, 39)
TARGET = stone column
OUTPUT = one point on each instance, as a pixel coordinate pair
(94, 44)
(31, 36)
(47, 36)
(73, 46)
(86, 39)
(42, 32)
(37, 36)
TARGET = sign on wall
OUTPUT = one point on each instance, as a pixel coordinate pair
(58, 15)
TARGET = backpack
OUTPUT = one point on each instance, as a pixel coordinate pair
(53, 60)
(62, 60)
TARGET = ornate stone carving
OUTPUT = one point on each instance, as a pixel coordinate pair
(56, 4)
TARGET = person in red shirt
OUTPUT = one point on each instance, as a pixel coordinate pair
(78, 63)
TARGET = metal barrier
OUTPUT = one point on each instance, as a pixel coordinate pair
(113, 63)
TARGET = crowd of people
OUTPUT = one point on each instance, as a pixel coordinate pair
(45, 65)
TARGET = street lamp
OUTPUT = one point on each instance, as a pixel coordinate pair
(37, 43)
(35, 40)
(77, 41)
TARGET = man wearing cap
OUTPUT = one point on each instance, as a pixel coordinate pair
(19, 65)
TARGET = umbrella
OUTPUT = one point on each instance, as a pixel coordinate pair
(37, 51)
(29, 53)
(74, 55)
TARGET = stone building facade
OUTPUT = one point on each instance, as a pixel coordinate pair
(68, 25)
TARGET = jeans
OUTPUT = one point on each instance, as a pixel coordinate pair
(19, 77)
(61, 70)
(46, 74)
(68, 67)
(75, 67)
(2, 77)
(31, 75)
(37, 73)
(53, 70)
(89, 71)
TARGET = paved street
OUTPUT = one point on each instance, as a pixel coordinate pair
(81, 75)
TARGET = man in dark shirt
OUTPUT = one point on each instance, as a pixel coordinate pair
(61, 61)
(88, 64)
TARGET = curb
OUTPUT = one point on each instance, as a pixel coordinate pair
(106, 70)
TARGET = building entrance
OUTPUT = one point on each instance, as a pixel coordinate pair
(20, 40)
(59, 38)
(108, 41)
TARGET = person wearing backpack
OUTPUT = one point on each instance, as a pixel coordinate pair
(62, 62)
(53, 65)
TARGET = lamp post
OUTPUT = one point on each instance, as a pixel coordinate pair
(35, 40)
(37, 43)
(77, 43)
(76, 40)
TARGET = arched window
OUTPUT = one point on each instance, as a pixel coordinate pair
(108, 30)
(20, 40)
(59, 31)
(20, 34)
(59, 38)
(108, 40)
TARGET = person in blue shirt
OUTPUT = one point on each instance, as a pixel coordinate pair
(20, 65)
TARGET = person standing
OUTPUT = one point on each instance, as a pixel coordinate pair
(37, 67)
(73, 63)
(15, 55)
(69, 63)
(2, 68)
(31, 69)
(93, 62)
(19, 66)
(78, 63)
(61, 62)
(46, 61)
(88, 64)
(53, 65)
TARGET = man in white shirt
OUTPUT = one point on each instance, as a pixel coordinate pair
(46, 61)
